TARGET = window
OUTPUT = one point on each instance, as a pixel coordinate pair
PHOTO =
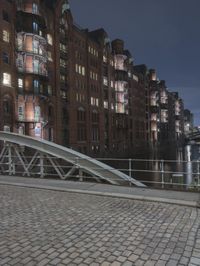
(36, 86)
(6, 107)
(35, 8)
(81, 116)
(83, 71)
(62, 62)
(5, 16)
(37, 113)
(63, 48)
(5, 57)
(95, 117)
(63, 94)
(20, 83)
(6, 36)
(49, 55)
(21, 113)
(62, 78)
(49, 39)
(49, 89)
(35, 27)
(6, 79)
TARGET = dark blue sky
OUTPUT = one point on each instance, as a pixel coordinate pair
(163, 34)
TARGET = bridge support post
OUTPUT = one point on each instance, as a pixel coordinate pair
(10, 163)
(198, 175)
(41, 165)
(162, 173)
(80, 174)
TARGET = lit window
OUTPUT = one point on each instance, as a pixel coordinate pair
(6, 36)
(62, 77)
(92, 101)
(49, 88)
(49, 39)
(105, 103)
(49, 55)
(105, 81)
(35, 8)
(79, 69)
(21, 113)
(20, 83)
(6, 79)
(37, 113)
(63, 48)
(36, 86)
(83, 71)
(62, 63)
(35, 27)
(63, 94)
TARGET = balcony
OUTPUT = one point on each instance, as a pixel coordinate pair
(120, 62)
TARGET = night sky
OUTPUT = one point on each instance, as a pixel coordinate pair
(163, 34)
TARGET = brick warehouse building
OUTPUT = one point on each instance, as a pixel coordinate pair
(77, 88)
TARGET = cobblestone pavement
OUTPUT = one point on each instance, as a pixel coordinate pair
(46, 227)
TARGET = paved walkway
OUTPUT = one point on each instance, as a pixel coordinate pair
(167, 196)
(47, 225)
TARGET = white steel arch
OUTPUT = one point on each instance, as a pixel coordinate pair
(45, 148)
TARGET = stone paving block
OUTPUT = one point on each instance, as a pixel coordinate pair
(43, 262)
(127, 263)
(133, 258)
(160, 263)
(195, 260)
(69, 229)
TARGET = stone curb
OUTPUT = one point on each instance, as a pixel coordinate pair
(107, 194)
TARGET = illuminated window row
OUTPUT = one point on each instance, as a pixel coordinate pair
(80, 69)
(93, 51)
(80, 97)
(94, 101)
(93, 75)
(6, 36)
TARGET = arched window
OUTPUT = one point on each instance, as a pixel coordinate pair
(81, 115)
(95, 116)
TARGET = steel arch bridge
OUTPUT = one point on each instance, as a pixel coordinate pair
(46, 154)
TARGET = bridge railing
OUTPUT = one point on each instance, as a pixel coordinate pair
(167, 174)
